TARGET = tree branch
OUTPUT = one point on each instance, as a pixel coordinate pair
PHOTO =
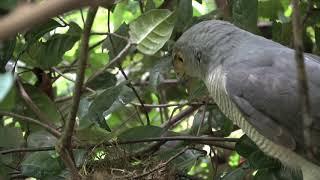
(302, 77)
(29, 15)
(34, 121)
(200, 140)
(64, 146)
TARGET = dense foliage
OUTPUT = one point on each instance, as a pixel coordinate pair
(132, 106)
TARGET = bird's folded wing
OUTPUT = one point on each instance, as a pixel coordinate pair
(267, 97)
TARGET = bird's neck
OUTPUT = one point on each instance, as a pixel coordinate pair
(222, 46)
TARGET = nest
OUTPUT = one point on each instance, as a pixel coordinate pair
(116, 162)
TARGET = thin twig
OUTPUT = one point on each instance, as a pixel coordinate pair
(50, 129)
(200, 140)
(302, 78)
(136, 93)
(65, 147)
(162, 165)
(180, 116)
(25, 96)
(69, 79)
(202, 119)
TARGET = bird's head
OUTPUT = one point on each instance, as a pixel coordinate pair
(203, 47)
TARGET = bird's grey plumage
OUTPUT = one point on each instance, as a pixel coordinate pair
(260, 80)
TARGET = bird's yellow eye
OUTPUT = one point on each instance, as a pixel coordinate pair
(178, 64)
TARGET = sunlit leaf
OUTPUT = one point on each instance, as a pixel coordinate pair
(47, 54)
(151, 30)
(38, 31)
(6, 82)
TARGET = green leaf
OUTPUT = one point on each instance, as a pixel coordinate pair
(103, 81)
(126, 95)
(141, 132)
(8, 4)
(219, 121)
(246, 146)
(245, 15)
(152, 30)
(270, 9)
(156, 73)
(38, 31)
(47, 54)
(184, 15)
(282, 33)
(150, 5)
(41, 165)
(317, 37)
(102, 103)
(10, 137)
(258, 160)
(6, 52)
(115, 44)
(236, 174)
(8, 103)
(4, 172)
(44, 103)
(41, 139)
(6, 82)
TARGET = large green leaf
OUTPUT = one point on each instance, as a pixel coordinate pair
(38, 31)
(47, 54)
(103, 81)
(44, 103)
(184, 15)
(6, 51)
(246, 146)
(101, 103)
(115, 44)
(8, 4)
(152, 30)
(245, 14)
(41, 139)
(41, 165)
(137, 133)
(6, 82)
(270, 9)
(10, 137)
(8, 103)
(141, 132)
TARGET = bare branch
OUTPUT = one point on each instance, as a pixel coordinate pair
(50, 129)
(65, 147)
(29, 15)
(302, 77)
(42, 117)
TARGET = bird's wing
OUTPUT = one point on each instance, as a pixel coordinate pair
(264, 88)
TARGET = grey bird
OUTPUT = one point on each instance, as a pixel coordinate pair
(253, 80)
